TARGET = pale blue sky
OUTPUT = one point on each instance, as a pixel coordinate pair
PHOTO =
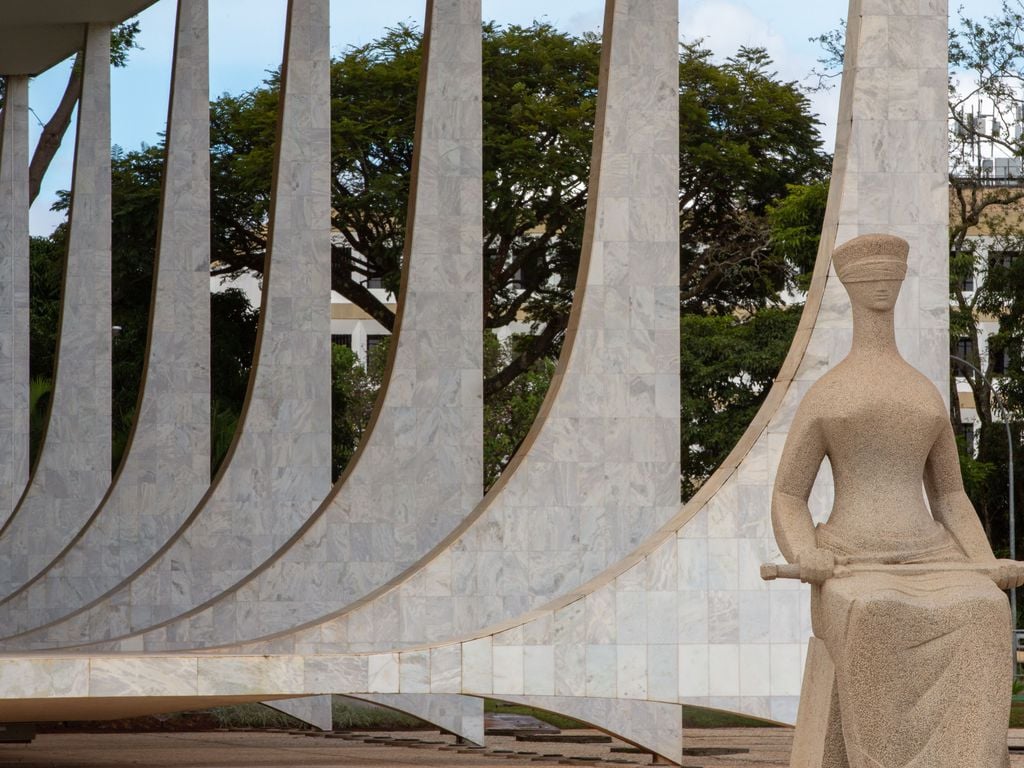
(247, 38)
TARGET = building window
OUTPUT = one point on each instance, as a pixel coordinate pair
(967, 435)
(1002, 259)
(374, 282)
(1000, 361)
(967, 284)
(965, 348)
(341, 263)
(373, 340)
(342, 339)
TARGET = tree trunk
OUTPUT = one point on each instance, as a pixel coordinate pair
(54, 130)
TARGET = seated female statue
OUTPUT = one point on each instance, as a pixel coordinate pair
(922, 659)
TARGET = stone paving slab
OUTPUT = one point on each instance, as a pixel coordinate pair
(768, 748)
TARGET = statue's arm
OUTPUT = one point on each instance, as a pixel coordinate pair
(949, 502)
(791, 517)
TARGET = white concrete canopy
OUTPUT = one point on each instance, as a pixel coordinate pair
(35, 36)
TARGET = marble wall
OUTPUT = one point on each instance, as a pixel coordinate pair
(166, 468)
(73, 469)
(14, 287)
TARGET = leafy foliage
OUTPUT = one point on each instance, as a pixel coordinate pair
(745, 138)
(509, 414)
(795, 222)
(354, 390)
(728, 364)
(745, 135)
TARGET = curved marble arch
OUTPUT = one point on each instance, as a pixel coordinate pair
(418, 472)
(14, 300)
(278, 467)
(599, 471)
(166, 467)
(72, 471)
(462, 716)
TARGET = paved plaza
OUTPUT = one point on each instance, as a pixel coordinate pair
(718, 748)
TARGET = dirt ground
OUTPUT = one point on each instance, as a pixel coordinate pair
(717, 748)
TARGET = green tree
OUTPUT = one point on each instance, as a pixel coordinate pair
(136, 182)
(795, 223)
(745, 136)
(510, 413)
(354, 391)
(728, 364)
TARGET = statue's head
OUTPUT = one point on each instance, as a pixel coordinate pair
(872, 268)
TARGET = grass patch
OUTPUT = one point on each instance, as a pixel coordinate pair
(358, 718)
(559, 721)
(253, 716)
(699, 717)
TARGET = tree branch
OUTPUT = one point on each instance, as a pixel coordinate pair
(54, 130)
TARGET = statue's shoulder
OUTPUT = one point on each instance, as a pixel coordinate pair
(831, 384)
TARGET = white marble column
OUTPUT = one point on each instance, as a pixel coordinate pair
(14, 302)
(166, 467)
(73, 469)
(278, 469)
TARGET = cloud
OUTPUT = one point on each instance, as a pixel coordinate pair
(727, 25)
(585, 21)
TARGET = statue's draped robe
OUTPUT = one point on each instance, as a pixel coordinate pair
(921, 661)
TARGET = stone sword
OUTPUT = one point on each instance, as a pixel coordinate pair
(773, 571)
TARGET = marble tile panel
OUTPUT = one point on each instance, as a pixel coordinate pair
(507, 666)
(414, 671)
(694, 670)
(446, 669)
(539, 670)
(786, 669)
(336, 674)
(33, 678)
(631, 670)
(477, 666)
(14, 295)
(237, 675)
(384, 673)
(602, 667)
(143, 676)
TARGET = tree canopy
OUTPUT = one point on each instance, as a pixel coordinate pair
(745, 134)
(749, 144)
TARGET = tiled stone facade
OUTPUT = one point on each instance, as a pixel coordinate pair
(419, 472)
(278, 468)
(166, 468)
(743, 641)
(599, 472)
